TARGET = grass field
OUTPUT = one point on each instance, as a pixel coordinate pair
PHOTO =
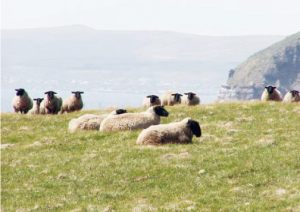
(248, 158)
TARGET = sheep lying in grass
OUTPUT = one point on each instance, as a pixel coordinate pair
(271, 94)
(171, 98)
(132, 121)
(190, 99)
(51, 103)
(73, 103)
(90, 121)
(176, 133)
(36, 106)
(292, 96)
(151, 100)
(21, 102)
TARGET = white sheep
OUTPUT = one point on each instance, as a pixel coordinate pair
(170, 98)
(73, 103)
(51, 103)
(132, 121)
(90, 121)
(271, 93)
(36, 106)
(151, 100)
(190, 99)
(292, 96)
(21, 102)
(174, 133)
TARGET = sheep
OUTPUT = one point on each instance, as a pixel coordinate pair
(90, 121)
(73, 103)
(132, 121)
(292, 96)
(173, 133)
(190, 99)
(171, 98)
(151, 100)
(271, 93)
(21, 102)
(36, 106)
(51, 103)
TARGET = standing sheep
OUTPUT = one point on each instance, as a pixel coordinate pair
(174, 133)
(36, 106)
(132, 121)
(190, 99)
(51, 103)
(292, 96)
(271, 94)
(21, 102)
(171, 98)
(90, 121)
(151, 100)
(73, 103)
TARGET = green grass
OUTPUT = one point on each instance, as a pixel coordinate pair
(247, 159)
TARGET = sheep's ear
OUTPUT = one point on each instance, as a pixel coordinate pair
(46, 92)
(266, 87)
(42, 99)
(195, 127)
(186, 93)
(54, 92)
(81, 92)
(148, 96)
(73, 92)
(180, 94)
(35, 99)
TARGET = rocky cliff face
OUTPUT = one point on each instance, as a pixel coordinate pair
(277, 65)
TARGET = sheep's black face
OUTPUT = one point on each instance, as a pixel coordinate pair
(50, 94)
(294, 93)
(38, 100)
(20, 92)
(177, 97)
(270, 89)
(153, 98)
(161, 111)
(195, 127)
(120, 111)
(77, 94)
(190, 95)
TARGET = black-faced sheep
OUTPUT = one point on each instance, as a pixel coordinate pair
(292, 96)
(171, 98)
(151, 100)
(190, 99)
(21, 102)
(51, 103)
(36, 106)
(271, 93)
(73, 103)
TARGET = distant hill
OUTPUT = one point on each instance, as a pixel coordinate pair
(277, 65)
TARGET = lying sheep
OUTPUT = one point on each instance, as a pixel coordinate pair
(73, 103)
(171, 98)
(174, 133)
(292, 96)
(21, 102)
(36, 106)
(51, 103)
(190, 99)
(90, 121)
(132, 121)
(271, 94)
(151, 100)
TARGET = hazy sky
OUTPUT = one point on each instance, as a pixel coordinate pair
(210, 17)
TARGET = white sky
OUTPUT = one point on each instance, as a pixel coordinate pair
(210, 17)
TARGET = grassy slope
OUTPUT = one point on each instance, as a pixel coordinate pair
(247, 159)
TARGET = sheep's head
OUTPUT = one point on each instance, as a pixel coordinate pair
(195, 127)
(177, 97)
(38, 100)
(77, 94)
(20, 91)
(153, 98)
(50, 94)
(160, 111)
(270, 89)
(294, 93)
(120, 111)
(190, 95)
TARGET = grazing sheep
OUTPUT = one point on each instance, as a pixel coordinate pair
(21, 102)
(151, 100)
(36, 106)
(132, 121)
(176, 133)
(51, 103)
(90, 121)
(190, 99)
(292, 96)
(73, 103)
(171, 98)
(271, 94)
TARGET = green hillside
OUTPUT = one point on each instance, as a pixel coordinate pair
(247, 159)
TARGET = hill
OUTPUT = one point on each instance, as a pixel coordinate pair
(246, 160)
(277, 65)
